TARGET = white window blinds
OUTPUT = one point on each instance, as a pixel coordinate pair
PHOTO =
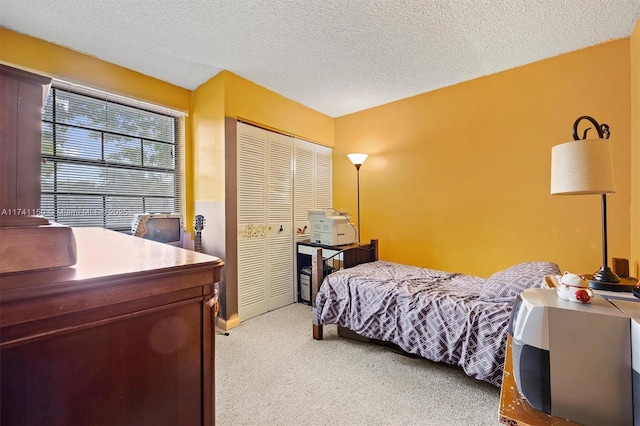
(104, 160)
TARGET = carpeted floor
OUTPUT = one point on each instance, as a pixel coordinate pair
(269, 371)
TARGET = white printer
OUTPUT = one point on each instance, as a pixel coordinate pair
(331, 227)
(573, 360)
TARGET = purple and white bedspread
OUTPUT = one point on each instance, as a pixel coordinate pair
(434, 314)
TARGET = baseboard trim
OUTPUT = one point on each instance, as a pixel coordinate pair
(227, 324)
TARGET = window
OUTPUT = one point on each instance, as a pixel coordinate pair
(103, 161)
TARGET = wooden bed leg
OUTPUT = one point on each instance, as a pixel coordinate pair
(317, 275)
(317, 327)
(317, 332)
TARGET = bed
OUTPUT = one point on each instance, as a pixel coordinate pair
(442, 316)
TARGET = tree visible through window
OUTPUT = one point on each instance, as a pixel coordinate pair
(104, 161)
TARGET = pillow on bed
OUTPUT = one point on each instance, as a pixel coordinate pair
(505, 285)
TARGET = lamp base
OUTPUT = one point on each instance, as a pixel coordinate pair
(606, 279)
(620, 287)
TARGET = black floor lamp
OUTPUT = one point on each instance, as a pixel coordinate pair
(357, 160)
(585, 166)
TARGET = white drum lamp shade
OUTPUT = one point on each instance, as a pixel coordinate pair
(582, 167)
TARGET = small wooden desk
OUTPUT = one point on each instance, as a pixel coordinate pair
(342, 257)
(514, 409)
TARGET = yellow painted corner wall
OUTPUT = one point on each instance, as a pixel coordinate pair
(254, 103)
(55, 61)
(635, 152)
(228, 95)
(208, 140)
(458, 179)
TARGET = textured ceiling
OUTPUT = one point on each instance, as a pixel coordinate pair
(335, 56)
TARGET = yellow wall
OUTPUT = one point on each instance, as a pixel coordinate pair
(208, 130)
(229, 95)
(251, 102)
(59, 62)
(458, 178)
(635, 152)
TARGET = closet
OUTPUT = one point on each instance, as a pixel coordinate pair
(279, 178)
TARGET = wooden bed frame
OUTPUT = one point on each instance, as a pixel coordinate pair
(350, 256)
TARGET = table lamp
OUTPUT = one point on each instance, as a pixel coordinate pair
(585, 166)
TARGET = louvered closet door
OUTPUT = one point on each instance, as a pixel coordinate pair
(280, 220)
(252, 221)
(323, 177)
(303, 187)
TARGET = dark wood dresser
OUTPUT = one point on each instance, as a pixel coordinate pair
(124, 337)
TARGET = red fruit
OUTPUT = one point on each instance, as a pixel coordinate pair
(582, 296)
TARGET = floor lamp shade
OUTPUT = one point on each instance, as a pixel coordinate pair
(357, 159)
(582, 167)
